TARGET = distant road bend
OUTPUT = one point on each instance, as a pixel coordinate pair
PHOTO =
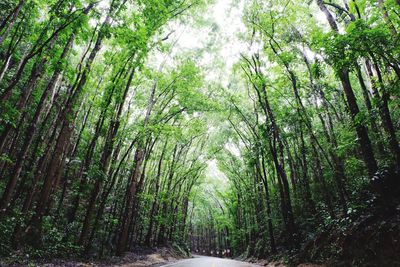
(209, 262)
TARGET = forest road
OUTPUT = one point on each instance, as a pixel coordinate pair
(209, 262)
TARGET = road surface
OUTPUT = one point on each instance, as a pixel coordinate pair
(209, 262)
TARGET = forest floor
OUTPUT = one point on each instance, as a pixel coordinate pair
(370, 240)
(268, 263)
(148, 257)
(368, 235)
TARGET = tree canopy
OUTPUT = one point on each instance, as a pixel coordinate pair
(248, 126)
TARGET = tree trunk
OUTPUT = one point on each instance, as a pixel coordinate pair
(362, 132)
(13, 16)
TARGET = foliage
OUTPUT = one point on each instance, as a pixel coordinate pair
(113, 136)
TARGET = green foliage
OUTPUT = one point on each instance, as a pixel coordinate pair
(113, 136)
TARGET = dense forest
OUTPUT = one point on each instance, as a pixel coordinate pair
(273, 133)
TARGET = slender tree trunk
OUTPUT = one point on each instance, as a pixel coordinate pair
(269, 209)
(133, 180)
(384, 112)
(8, 25)
(362, 132)
(21, 157)
(63, 140)
(154, 205)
